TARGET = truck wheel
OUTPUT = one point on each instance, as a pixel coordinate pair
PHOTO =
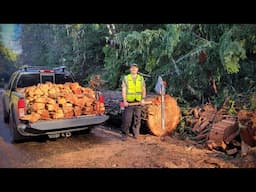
(15, 135)
(6, 116)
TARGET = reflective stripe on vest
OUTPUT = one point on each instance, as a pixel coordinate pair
(134, 90)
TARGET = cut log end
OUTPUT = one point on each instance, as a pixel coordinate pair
(172, 115)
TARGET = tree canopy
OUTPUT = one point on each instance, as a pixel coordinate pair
(198, 61)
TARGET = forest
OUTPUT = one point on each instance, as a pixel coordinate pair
(200, 62)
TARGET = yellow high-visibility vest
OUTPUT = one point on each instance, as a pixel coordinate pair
(134, 89)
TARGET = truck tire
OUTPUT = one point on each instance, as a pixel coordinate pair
(15, 135)
(5, 115)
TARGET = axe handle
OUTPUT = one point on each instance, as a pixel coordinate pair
(138, 103)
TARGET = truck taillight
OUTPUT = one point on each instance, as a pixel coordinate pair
(101, 99)
(21, 107)
(46, 71)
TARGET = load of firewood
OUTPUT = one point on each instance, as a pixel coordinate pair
(56, 101)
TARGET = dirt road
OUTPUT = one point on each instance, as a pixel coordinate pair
(103, 148)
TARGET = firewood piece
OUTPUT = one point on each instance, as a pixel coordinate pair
(26, 117)
(34, 117)
(223, 131)
(200, 136)
(41, 100)
(232, 151)
(190, 122)
(203, 126)
(51, 101)
(236, 143)
(196, 111)
(59, 114)
(69, 114)
(38, 106)
(244, 148)
(247, 135)
(52, 107)
(44, 114)
(67, 109)
(197, 125)
(77, 111)
(67, 105)
(61, 100)
(211, 144)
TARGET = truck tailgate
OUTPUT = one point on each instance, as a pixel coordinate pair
(69, 123)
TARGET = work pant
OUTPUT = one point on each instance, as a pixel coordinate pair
(131, 113)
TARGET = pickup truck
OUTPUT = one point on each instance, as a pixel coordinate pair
(14, 105)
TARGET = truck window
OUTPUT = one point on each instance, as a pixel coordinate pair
(10, 81)
(62, 78)
(46, 78)
(28, 80)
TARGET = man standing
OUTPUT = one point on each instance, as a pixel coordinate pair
(133, 90)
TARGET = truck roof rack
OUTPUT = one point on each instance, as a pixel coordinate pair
(62, 68)
(27, 67)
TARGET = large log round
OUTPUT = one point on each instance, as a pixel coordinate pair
(172, 115)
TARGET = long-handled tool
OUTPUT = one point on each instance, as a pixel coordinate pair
(139, 103)
(162, 107)
(135, 104)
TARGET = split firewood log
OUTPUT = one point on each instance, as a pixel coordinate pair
(67, 109)
(52, 107)
(37, 106)
(44, 114)
(51, 101)
(68, 114)
(77, 111)
(34, 117)
(61, 100)
(41, 100)
(58, 115)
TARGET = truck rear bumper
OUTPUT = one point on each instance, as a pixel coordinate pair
(61, 125)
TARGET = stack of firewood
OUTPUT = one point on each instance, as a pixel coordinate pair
(215, 129)
(56, 101)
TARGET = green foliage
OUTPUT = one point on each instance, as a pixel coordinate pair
(170, 50)
(253, 101)
(78, 46)
(231, 51)
(232, 109)
(151, 49)
(8, 53)
(7, 63)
